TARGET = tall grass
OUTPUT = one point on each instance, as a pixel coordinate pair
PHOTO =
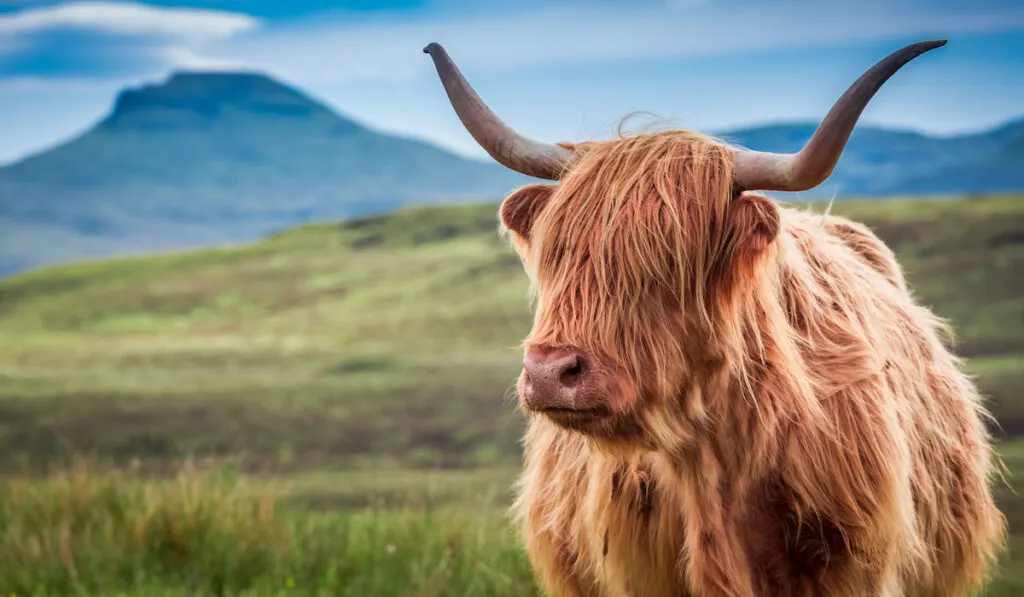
(212, 532)
(206, 532)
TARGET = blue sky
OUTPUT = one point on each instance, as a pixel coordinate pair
(554, 69)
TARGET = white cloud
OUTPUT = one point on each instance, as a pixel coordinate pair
(338, 51)
(129, 18)
(183, 57)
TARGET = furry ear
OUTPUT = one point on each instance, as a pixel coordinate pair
(752, 224)
(519, 209)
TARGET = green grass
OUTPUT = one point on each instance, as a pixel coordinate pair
(389, 341)
(205, 531)
(212, 532)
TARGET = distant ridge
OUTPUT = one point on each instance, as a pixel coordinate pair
(207, 158)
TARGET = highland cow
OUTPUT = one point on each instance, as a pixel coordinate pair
(726, 395)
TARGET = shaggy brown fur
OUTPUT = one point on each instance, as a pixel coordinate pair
(788, 420)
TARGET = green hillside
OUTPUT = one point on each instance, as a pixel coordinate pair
(390, 340)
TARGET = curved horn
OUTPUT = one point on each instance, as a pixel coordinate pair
(756, 170)
(509, 148)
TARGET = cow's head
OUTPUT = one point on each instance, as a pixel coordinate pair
(638, 251)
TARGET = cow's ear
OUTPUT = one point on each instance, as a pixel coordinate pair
(752, 223)
(519, 209)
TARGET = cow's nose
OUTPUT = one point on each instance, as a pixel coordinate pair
(553, 378)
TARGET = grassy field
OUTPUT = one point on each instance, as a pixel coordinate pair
(206, 532)
(383, 342)
(347, 361)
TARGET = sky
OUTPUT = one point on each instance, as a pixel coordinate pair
(553, 69)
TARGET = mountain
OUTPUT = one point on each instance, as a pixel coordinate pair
(211, 158)
(205, 159)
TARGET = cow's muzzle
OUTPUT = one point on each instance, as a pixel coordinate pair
(563, 384)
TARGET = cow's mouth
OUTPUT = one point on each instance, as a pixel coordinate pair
(580, 412)
(578, 419)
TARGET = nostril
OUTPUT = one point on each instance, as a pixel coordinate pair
(572, 374)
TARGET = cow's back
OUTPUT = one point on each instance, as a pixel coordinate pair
(941, 419)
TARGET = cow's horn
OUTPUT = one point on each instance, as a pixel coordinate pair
(509, 148)
(755, 170)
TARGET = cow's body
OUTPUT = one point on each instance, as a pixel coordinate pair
(921, 518)
(727, 396)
